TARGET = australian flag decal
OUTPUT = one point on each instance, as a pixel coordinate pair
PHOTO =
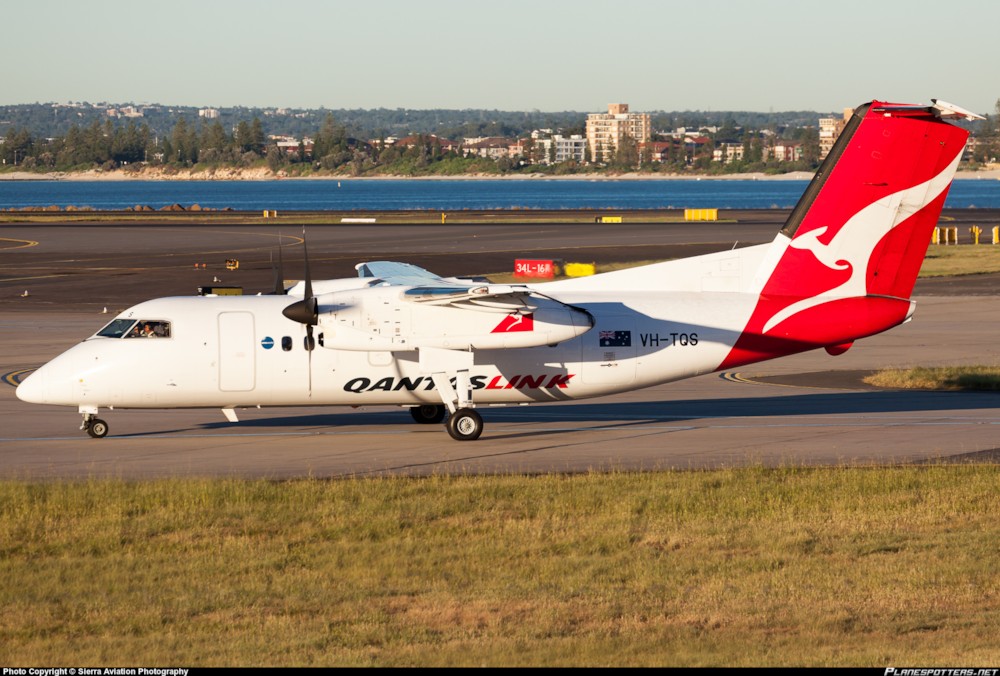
(616, 338)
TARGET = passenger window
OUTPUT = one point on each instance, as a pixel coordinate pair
(286, 343)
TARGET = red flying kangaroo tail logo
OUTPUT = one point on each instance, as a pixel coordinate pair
(857, 238)
(514, 323)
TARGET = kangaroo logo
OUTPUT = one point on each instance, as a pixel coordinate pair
(853, 245)
(515, 323)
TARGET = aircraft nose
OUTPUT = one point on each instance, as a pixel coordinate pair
(52, 383)
(33, 389)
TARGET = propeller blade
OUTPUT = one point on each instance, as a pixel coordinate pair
(305, 254)
(278, 274)
(305, 311)
(310, 346)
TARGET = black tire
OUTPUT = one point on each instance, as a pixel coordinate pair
(465, 425)
(97, 428)
(428, 413)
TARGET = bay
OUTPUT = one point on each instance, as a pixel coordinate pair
(441, 194)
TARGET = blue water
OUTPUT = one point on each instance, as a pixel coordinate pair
(447, 195)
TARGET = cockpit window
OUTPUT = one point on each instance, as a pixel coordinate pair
(149, 328)
(131, 328)
(117, 328)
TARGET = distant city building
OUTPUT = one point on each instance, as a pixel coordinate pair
(659, 151)
(416, 139)
(290, 145)
(208, 113)
(787, 151)
(572, 147)
(126, 111)
(830, 129)
(727, 153)
(557, 148)
(493, 147)
(605, 131)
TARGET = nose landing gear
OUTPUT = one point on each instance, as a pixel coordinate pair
(94, 426)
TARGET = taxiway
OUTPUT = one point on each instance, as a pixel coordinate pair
(806, 409)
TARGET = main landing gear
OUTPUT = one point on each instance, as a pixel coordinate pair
(428, 414)
(464, 424)
(455, 389)
(94, 426)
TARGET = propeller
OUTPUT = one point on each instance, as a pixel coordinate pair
(278, 273)
(306, 311)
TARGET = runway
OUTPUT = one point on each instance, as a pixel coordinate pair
(809, 409)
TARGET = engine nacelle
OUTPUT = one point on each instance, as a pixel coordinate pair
(381, 319)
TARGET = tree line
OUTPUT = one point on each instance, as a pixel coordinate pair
(113, 144)
(109, 145)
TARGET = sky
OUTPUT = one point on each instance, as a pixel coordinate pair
(545, 55)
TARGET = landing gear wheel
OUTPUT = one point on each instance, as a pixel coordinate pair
(465, 425)
(97, 428)
(428, 413)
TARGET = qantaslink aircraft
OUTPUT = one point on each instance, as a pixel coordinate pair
(842, 268)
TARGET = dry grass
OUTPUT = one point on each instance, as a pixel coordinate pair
(758, 567)
(952, 378)
(967, 259)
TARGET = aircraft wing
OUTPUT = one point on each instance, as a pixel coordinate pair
(425, 287)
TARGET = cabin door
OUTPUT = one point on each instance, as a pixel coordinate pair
(236, 351)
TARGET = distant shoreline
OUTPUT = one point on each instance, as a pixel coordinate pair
(267, 175)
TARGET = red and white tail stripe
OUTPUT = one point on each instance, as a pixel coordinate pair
(845, 264)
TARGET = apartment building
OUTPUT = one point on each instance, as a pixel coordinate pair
(727, 153)
(605, 131)
(830, 129)
(558, 148)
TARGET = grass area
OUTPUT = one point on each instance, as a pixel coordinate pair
(863, 566)
(953, 378)
(961, 259)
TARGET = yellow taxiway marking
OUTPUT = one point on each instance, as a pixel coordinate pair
(734, 377)
(15, 377)
(21, 243)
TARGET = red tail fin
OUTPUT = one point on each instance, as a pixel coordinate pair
(857, 238)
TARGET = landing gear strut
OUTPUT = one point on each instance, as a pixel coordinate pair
(94, 426)
(464, 423)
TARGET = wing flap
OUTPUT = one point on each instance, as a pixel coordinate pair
(422, 286)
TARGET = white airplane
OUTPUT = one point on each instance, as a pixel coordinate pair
(842, 268)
